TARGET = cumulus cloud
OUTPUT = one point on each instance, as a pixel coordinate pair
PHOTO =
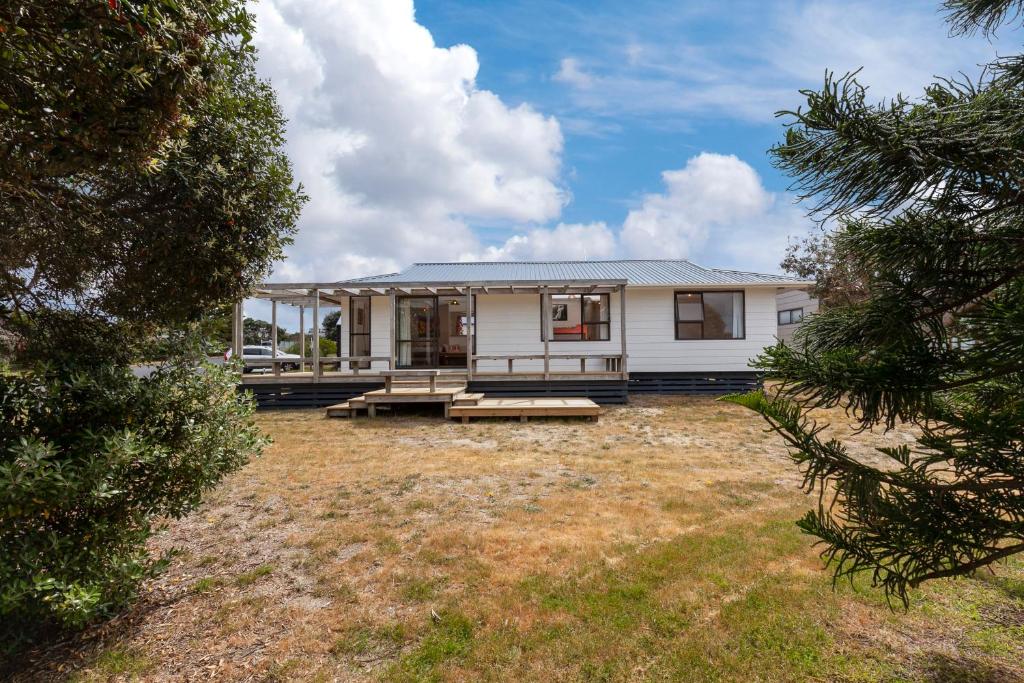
(397, 147)
(402, 153)
(715, 210)
(711, 192)
(569, 242)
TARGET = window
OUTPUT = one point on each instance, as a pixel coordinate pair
(709, 315)
(791, 316)
(359, 330)
(578, 317)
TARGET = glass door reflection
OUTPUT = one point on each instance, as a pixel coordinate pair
(416, 332)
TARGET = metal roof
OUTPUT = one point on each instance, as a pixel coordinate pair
(676, 272)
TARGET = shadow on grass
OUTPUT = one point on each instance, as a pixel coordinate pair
(55, 655)
(939, 667)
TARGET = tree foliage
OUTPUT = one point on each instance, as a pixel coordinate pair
(929, 200)
(176, 200)
(329, 325)
(256, 331)
(143, 189)
(838, 279)
(90, 458)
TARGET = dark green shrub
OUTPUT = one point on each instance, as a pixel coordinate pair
(90, 459)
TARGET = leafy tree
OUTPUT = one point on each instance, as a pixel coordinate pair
(328, 347)
(161, 228)
(142, 190)
(838, 279)
(107, 453)
(329, 324)
(928, 192)
(259, 331)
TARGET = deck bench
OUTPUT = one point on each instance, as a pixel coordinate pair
(388, 375)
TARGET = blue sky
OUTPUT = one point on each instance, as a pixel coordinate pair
(529, 129)
(614, 154)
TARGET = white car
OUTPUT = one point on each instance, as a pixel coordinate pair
(266, 353)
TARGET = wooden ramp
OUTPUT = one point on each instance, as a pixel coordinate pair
(524, 408)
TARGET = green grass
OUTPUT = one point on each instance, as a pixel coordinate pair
(252, 576)
(367, 639)
(120, 663)
(419, 589)
(448, 639)
(722, 604)
(207, 584)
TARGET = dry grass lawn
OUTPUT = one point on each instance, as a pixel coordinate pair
(655, 545)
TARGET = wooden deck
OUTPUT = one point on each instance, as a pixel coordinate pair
(524, 408)
(462, 404)
(414, 394)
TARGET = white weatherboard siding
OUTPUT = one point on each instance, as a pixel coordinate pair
(510, 324)
(652, 346)
(794, 298)
(380, 330)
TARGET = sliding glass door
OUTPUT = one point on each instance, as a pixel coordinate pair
(417, 331)
(431, 331)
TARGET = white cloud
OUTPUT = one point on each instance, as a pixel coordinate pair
(715, 210)
(570, 71)
(395, 145)
(571, 242)
(401, 153)
(711, 191)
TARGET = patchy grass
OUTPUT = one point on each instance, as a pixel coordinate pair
(207, 584)
(114, 663)
(253, 575)
(658, 544)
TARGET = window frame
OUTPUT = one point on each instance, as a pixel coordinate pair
(607, 324)
(702, 292)
(790, 311)
(355, 364)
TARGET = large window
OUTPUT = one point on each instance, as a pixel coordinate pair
(791, 316)
(709, 315)
(578, 317)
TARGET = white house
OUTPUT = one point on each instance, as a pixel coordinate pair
(793, 306)
(601, 328)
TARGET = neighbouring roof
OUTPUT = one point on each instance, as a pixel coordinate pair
(676, 272)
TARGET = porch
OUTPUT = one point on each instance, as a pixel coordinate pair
(437, 326)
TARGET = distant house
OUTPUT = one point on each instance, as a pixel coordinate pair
(792, 306)
(592, 328)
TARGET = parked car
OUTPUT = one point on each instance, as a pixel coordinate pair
(266, 353)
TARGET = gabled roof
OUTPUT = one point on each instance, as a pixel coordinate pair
(676, 272)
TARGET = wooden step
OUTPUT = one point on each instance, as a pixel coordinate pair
(466, 399)
(347, 409)
(525, 407)
(340, 410)
(410, 394)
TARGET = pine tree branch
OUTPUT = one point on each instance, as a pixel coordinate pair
(969, 567)
(974, 295)
(1004, 371)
